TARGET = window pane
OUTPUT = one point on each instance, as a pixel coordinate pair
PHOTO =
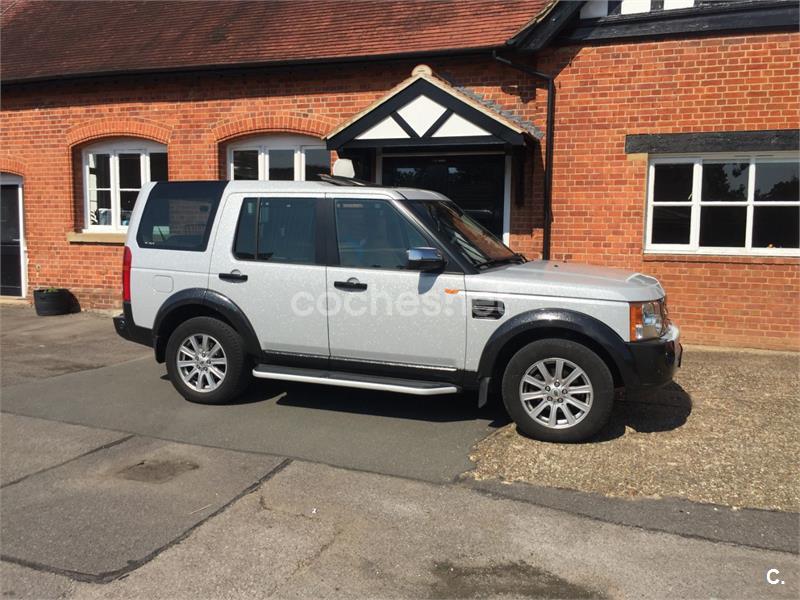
(371, 233)
(475, 183)
(671, 224)
(776, 227)
(286, 230)
(99, 171)
(180, 218)
(777, 182)
(281, 165)
(318, 162)
(245, 164)
(158, 166)
(100, 207)
(126, 202)
(130, 171)
(673, 183)
(724, 182)
(245, 244)
(723, 226)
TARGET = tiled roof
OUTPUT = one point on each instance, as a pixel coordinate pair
(43, 40)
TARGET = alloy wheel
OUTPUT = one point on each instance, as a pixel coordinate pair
(201, 362)
(556, 393)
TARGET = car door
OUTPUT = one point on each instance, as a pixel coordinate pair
(383, 317)
(267, 260)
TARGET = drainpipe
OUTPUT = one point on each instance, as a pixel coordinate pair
(548, 156)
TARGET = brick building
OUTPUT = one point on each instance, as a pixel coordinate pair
(674, 127)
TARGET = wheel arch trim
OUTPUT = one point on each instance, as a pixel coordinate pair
(565, 320)
(210, 301)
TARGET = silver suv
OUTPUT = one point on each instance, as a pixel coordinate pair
(377, 288)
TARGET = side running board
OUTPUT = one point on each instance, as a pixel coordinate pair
(364, 382)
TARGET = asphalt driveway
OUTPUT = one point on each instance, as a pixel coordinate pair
(418, 437)
(109, 477)
(39, 347)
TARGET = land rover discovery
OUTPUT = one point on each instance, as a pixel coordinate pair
(386, 289)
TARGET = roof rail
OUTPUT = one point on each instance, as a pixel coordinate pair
(339, 180)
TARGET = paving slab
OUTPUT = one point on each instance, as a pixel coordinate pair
(412, 436)
(313, 531)
(30, 445)
(101, 515)
(17, 581)
(771, 530)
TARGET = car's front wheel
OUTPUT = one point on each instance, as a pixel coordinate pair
(206, 361)
(558, 391)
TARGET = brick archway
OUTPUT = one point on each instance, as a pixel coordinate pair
(12, 165)
(225, 131)
(118, 127)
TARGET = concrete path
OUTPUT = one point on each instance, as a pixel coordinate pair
(314, 531)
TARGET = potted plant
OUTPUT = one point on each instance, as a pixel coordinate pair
(52, 301)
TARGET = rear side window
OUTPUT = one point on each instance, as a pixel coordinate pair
(179, 216)
(278, 230)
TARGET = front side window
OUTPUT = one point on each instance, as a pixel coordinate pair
(113, 174)
(738, 205)
(279, 158)
(371, 234)
(463, 234)
(277, 229)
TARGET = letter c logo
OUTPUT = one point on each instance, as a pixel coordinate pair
(773, 580)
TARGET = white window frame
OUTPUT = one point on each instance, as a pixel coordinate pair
(263, 144)
(693, 247)
(114, 148)
(17, 180)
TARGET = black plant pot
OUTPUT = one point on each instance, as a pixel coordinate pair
(53, 302)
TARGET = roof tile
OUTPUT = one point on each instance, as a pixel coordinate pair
(63, 38)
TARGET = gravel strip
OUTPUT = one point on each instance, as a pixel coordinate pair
(726, 432)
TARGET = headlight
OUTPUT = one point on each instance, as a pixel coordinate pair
(648, 319)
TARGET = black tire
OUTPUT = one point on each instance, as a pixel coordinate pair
(236, 376)
(599, 376)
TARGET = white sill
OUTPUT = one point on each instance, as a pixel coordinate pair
(97, 237)
(765, 253)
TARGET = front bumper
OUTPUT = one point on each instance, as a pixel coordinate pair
(126, 328)
(655, 362)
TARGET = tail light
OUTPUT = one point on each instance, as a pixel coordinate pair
(127, 258)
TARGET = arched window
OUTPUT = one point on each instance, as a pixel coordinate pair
(114, 171)
(279, 157)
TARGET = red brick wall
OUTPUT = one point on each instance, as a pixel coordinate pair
(710, 84)
(44, 126)
(604, 93)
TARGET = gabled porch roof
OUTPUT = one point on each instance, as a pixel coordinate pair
(425, 110)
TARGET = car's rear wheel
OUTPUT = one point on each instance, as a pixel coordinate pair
(206, 361)
(558, 391)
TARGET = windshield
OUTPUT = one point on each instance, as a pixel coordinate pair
(464, 235)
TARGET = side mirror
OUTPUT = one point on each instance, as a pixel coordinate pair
(425, 259)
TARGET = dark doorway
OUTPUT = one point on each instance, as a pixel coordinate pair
(474, 181)
(10, 242)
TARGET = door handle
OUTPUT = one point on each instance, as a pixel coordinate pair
(233, 276)
(352, 284)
